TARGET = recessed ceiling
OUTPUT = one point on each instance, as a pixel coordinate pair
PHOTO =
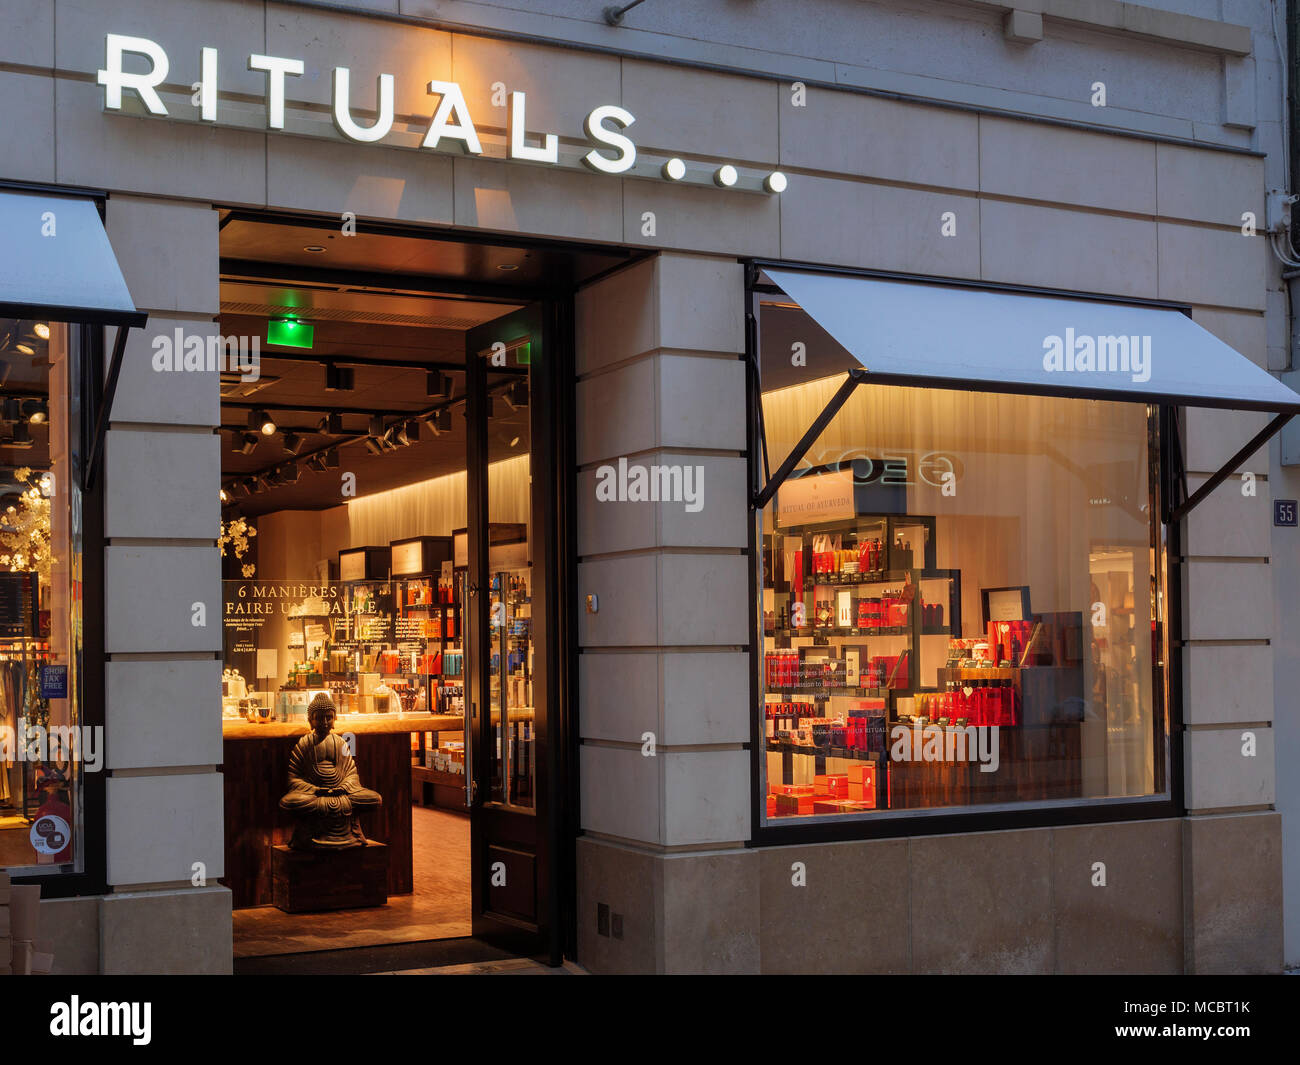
(372, 297)
(408, 256)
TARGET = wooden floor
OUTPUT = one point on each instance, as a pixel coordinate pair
(439, 908)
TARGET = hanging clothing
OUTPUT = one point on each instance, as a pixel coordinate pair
(11, 702)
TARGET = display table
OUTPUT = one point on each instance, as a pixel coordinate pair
(256, 771)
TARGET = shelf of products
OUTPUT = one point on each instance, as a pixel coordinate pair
(848, 606)
(864, 649)
(511, 695)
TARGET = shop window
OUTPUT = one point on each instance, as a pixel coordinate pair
(960, 601)
(43, 748)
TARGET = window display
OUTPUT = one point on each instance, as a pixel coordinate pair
(43, 747)
(959, 603)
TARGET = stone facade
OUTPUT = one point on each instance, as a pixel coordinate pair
(1144, 196)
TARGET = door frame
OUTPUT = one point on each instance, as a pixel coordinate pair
(550, 829)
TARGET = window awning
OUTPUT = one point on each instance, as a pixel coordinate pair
(942, 336)
(58, 263)
(1000, 341)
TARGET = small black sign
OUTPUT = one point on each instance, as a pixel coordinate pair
(1284, 512)
(17, 604)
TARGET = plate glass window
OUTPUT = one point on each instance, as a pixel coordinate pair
(43, 750)
(959, 596)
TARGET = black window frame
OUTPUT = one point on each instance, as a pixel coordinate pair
(93, 877)
(1168, 486)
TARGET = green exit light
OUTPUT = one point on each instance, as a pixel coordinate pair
(524, 353)
(289, 333)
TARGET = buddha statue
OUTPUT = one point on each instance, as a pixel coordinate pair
(325, 794)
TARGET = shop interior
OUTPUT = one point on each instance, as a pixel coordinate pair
(345, 553)
(957, 591)
(39, 601)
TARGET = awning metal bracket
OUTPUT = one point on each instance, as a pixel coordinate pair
(832, 408)
(1181, 511)
(96, 449)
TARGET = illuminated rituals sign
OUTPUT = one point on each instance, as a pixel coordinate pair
(450, 127)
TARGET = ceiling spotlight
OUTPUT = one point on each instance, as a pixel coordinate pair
(20, 437)
(262, 422)
(11, 410)
(225, 496)
(374, 446)
(339, 378)
(292, 443)
(25, 349)
(330, 458)
(36, 411)
(439, 422)
(316, 462)
(42, 330)
(244, 443)
(315, 249)
(409, 433)
(514, 441)
(437, 385)
(330, 425)
(507, 266)
(516, 395)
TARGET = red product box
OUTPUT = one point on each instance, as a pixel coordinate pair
(839, 806)
(837, 785)
(771, 806)
(863, 773)
(794, 804)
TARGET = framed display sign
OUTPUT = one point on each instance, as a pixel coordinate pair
(1005, 604)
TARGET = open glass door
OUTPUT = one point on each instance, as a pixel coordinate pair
(509, 645)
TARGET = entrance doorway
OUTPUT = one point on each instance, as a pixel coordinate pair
(395, 532)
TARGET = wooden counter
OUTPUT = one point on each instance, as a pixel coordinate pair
(357, 724)
(256, 773)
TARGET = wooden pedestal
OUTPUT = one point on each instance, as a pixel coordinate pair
(306, 881)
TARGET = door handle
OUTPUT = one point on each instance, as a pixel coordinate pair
(471, 785)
